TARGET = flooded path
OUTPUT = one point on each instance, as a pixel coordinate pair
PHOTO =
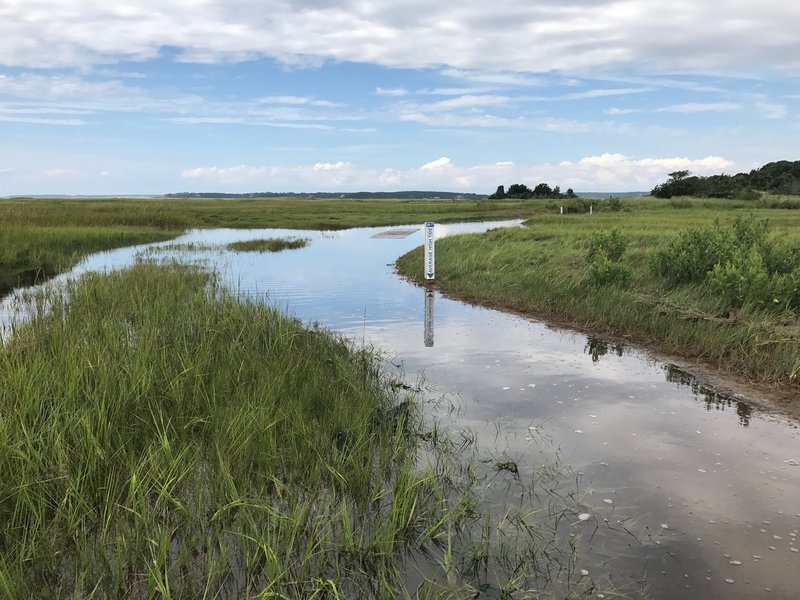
(686, 494)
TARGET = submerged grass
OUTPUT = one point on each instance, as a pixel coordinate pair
(161, 438)
(551, 268)
(268, 245)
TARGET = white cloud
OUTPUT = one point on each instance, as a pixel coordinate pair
(297, 101)
(468, 101)
(456, 119)
(69, 94)
(771, 110)
(337, 166)
(247, 120)
(238, 172)
(612, 172)
(24, 95)
(504, 79)
(474, 39)
(5, 170)
(391, 91)
(41, 120)
(622, 111)
(455, 91)
(439, 163)
(687, 108)
(603, 93)
(698, 107)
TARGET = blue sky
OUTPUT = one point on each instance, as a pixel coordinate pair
(142, 97)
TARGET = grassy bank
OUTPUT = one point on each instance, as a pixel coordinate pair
(41, 238)
(160, 438)
(29, 253)
(565, 268)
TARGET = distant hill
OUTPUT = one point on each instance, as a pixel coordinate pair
(402, 195)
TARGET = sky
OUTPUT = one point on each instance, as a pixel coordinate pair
(158, 96)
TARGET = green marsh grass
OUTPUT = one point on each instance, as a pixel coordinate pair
(40, 238)
(162, 438)
(29, 254)
(542, 268)
(268, 245)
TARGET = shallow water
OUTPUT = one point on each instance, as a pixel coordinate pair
(689, 494)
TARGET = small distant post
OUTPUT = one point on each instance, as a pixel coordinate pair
(430, 265)
(562, 210)
(591, 209)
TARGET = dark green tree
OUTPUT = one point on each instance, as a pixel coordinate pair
(499, 194)
(518, 190)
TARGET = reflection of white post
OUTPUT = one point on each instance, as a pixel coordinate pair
(429, 318)
(430, 270)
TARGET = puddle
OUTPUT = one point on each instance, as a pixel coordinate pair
(683, 492)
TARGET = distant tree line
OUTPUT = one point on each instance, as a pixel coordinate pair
(523, 192)
(782, 177)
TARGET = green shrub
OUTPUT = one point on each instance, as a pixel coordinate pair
(748, 280)
(786, 203)
(693, 253)
(741, 264)
(604, 271)
(612, 243)
(742, 279)
(615, 204)
(748, 194)
(577, 206)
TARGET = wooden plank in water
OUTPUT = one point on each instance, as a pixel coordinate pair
(395, 233)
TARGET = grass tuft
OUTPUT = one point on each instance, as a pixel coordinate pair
(268, 245)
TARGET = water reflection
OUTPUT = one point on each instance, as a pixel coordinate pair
(597, 348)
(713, 400)
(428, 318)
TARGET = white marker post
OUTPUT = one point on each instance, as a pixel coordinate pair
(430, 270)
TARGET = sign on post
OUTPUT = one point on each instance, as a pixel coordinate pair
(429, 318)
(430, 270)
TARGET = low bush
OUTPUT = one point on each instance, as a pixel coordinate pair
(741, 264)
(577, 206)
(693, 253)
(612, 243)
(606, 266)
(604, 271)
